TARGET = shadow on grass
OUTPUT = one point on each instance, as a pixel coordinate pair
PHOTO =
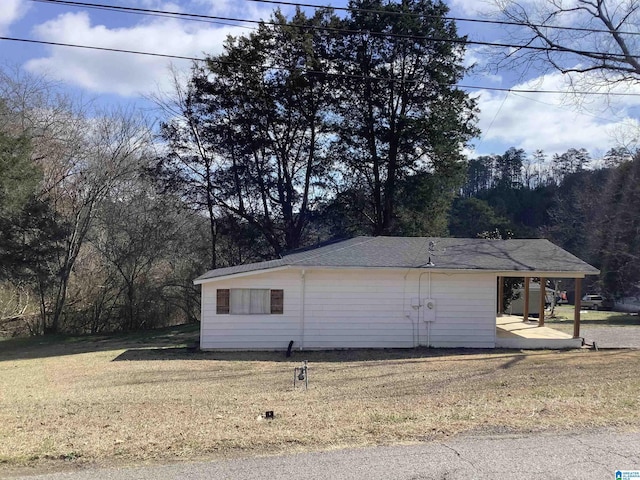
(171, 344)
(59, 345)
(330, 356)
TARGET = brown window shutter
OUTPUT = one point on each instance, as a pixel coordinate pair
(222, 301)
(277, 302)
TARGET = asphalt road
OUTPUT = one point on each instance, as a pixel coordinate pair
(583, 456)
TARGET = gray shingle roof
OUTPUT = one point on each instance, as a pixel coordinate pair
(530, 255)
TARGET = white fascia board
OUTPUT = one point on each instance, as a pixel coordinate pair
(239, 275)
(544, 274)
(447, 271)
(451, 271)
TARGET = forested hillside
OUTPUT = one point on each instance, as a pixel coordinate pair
(588, 206)
(106, 217)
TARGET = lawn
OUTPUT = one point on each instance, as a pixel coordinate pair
(124, 400)
(563, 319)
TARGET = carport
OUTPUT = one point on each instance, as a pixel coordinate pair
(514, 331)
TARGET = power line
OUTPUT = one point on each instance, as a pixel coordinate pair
(133, 11)
(104, 49)
(486, 132)
(525, 90)
(308, 71)
(408, 14)
(461, 41)
(424, 15)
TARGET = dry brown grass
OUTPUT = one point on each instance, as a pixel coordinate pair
(127, 405)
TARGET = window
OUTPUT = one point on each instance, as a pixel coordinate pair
(246, 301)
(249, 301)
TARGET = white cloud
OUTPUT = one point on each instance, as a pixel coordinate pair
(553, 122)
(473, 7)
(475, 58)
(120, 73)
(236, 9)
(10, 12)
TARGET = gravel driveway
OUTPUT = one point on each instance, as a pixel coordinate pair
(626, 336)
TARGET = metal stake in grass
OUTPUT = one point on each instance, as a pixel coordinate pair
(301, 373)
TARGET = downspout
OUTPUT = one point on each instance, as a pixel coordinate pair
(429, 323)
(302, 291)
(427, 326)
(414, 325)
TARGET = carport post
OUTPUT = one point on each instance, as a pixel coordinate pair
(543, 297)
(525, 307)
(576, 311)
(500, 295)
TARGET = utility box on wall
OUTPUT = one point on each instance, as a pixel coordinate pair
(428, 310)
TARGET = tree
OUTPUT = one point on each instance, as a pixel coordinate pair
(480, 175)
(423, 205)
(251, 141)
(27, 229)
(188, 165)
(572, 161)
(615, 226)
(573, 215)
(601, 46)
(137, 233)
(295, 115)
(616, 157)
(472, 217)
(530, 172)
(543, 172)
(18, 182)
(509, 168)
(397, 109)
(113, 148)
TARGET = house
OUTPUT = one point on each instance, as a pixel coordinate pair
(374, 292)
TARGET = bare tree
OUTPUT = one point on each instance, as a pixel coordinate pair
(136, 234)
(595, 42)
(113, 146)
(190, 149)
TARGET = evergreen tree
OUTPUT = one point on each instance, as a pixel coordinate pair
(397, 108)
(27, 228)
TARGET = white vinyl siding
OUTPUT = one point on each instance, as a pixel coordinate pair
(357, 308)
(252, 331)
(466, 314)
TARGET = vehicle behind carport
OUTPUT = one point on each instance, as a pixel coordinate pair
(593, 302)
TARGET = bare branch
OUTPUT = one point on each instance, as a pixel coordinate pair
(601, 43)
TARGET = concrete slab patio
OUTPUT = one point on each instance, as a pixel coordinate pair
(513, 332)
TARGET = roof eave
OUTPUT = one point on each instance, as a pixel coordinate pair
(200, 280)
(546, 274)
(501, 273)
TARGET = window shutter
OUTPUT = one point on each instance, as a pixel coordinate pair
(277, 302)
(222, 301)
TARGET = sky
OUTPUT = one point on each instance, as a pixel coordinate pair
(553, 123)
